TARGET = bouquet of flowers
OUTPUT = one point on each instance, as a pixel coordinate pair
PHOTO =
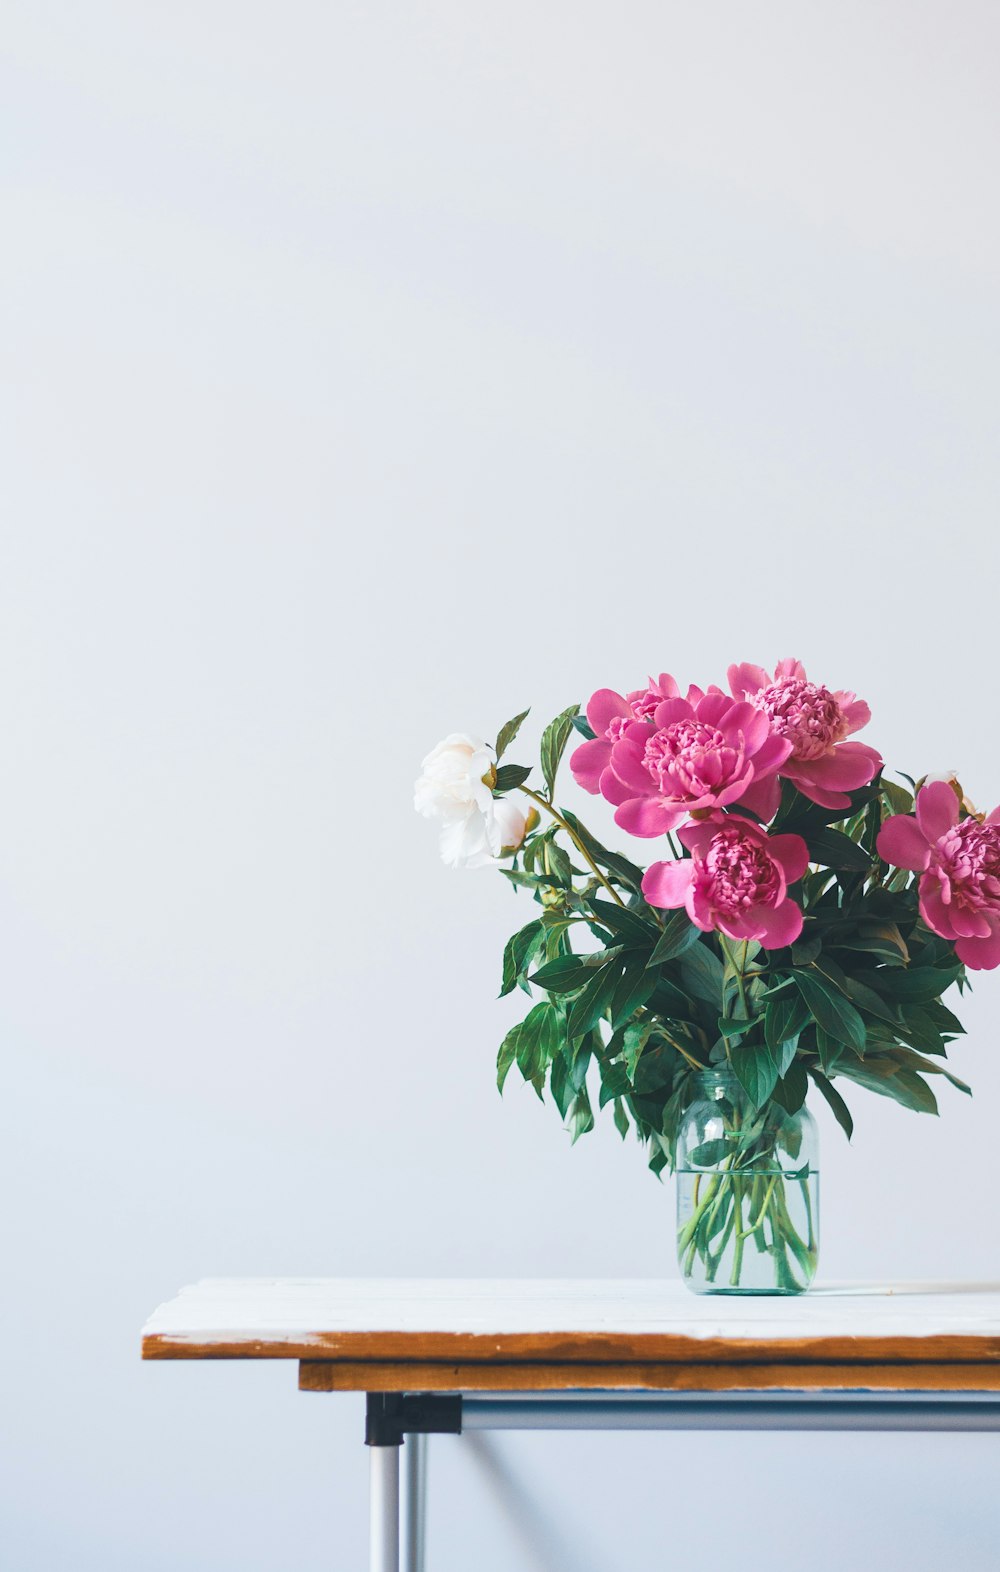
(797, 930)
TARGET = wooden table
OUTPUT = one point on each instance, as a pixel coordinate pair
(448, 1355)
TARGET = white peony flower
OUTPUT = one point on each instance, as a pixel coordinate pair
(456, 788)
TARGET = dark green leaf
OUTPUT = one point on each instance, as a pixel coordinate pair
(565, 974)
(626, 871)
(509, 776)
(758, 1068)
(517, 954)
(882, 939)
(614, 1082)
(702, 974)
(508, 732)
(554, 739)
(505, 1058)
(735, 1026)
(559, 863)
(580, 1118)
(831, 1010)
(590, 1006)
(678, 935)
(636, 1037)
(621, 1118)
(633, 989)
(631, 928)
(903, 1086)
(838, 1107)
(584, 727)
(709, 1153)
(918, 983)
(784, 1018)
(790, 1091)
(833, 849)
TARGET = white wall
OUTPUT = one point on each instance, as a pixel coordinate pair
(372, 371)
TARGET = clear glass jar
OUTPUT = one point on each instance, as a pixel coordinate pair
(747, 1193)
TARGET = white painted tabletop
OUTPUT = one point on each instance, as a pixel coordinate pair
(302, 1317)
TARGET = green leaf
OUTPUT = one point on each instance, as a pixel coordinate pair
(580, 1118)
(633, 989)
(838, 1107)
(554, 739)
(559, 863)
(833, 849)
(510, 776)
(918, 984)
(624, 870)
(635, 1038)
(508, 732)
(784, 1017)
(830, 1010)
(517, 954)
(540, 1039)
(566, 974)
(884, 1076)
(590, 1006)
(505, 1058)
(758, 1068)
(915, 1061)
(614, 1082)
(583, 726)
(882, 939)
(829, 1049)
(735, 1025)
(678, 935)
(702, 974)
(632, 929)
(866, 998)
(790, 1091)
(621, 1118)
(709, 1153)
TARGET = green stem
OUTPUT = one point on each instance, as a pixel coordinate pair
(543, 802)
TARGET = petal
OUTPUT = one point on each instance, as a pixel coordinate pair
(980, 955)
(626, 761)
(744, 679)
(603, 707)
(791, 854)
(612, 788)
(646, 816)
(994, 817)
(587, 763)
(789, 668)
(671, 710)
(771, 754)
(667, 883)
(933, 908)
(762, 797)
(969, 924)
(776, 926)
(845, 768)
(666, 685)
(716, 708)
(697, 833)
(902, 842)
(855, 712)
(937, 810)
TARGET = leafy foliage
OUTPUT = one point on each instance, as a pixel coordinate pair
(630, 1003)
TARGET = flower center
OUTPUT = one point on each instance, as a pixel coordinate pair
(970, 855)
(740, 871)
(645, 705)
(689, 759)
(806, 713)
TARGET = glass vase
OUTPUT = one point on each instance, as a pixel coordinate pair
(747, 1193)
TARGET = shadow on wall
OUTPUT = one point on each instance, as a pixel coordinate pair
(544, 1543)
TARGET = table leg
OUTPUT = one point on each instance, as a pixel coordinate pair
(384, 1533)
(415, 1518)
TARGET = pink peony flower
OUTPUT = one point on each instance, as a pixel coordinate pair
(736, 879)
(608, 714)
(815, 721)
(960, 863)
(696, 755)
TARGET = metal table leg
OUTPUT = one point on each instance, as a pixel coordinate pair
(415, 1507)
(384, 1540)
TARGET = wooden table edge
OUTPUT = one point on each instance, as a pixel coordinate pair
(319, 1375)
(556, 1348)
